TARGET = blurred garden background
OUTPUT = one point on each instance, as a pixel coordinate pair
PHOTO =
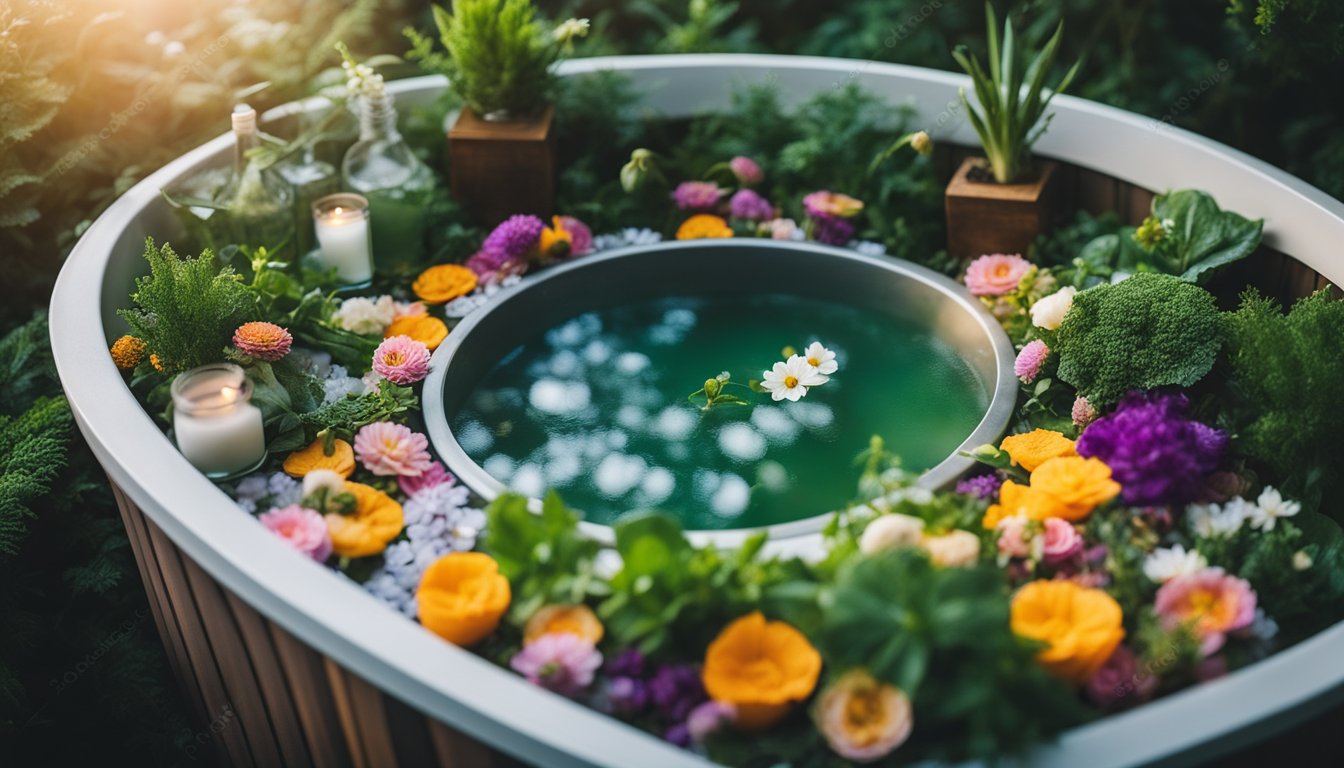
(97, 94)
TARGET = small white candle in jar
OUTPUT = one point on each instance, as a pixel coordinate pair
(216, 425)
(343, 237)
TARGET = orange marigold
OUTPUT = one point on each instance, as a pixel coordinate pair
(377, 520)
(305, 460)
(155, 361)
(576, 619)
(703, 225)
(1081, 627)
(128, 352)
(1015, 499)
(556, 241)
(1032, 449)
(761, 668)
(430, 331)
(444, 282)
(462, 597)
(1076, 485)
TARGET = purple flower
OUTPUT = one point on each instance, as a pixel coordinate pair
(676, 689)
(746, 204)
(1030, 360)
(1122, 681)
(627, 695)
(561, 662)
(981, 486)
(678, 734)
(706, 719)
(514, 238)
(746, 170)
(627, 663)
(1156, 453)
(697, 195)
(833, 231)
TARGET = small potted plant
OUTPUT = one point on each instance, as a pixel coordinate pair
(1000, 202)
(500, 60)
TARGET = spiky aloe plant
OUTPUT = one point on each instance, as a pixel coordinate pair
(1012, 97)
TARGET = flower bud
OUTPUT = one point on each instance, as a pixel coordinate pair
(712, 388)
(921, 143)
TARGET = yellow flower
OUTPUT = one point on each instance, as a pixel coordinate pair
(305, 460)
(430, 331)
(157, 363)
(1076, 485)
(462, 597)
(128, 352)
(556, 241)
(862, 718)
(953, 549)
(1015, 499)
(702, 226)
(444, 282)
(761, 668)
(576, 620)
(1032, 449)
(1081, 627)
(377, 520)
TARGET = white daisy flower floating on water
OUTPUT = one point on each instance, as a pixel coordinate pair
(821, 358)
(789, 380)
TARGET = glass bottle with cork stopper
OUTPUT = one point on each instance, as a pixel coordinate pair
(257, 203)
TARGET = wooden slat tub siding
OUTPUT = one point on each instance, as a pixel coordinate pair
(275, 693)
(363, 717)
(306, 676)
(452, 749)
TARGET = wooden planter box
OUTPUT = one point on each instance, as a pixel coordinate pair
(497, 169)
(987, 217)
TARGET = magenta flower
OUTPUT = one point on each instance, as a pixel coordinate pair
(1122, 681)
(825, 204)
(833, 231)
(708, 718)
(514, 238)
(434, 474)
(401, 360)
(980, 486)
(581, 236)
(746, 170)
(1211, 601)
(697, 195)
(560, 661)
(392, 450)
(303, 529)
(1061, 541)
(996, 274)
(1030, 360)
(263, 341)
(746, 204)
(1083, 413)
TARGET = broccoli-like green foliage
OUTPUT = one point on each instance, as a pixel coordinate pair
(1147, 331)
(186, 309)
(343, 417)
(1285, 376)
(32, 453)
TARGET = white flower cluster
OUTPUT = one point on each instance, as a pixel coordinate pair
(1164, 564)
(570, 29)
(366, 316)
(1216, 521)
(438, 521)
(361, 80)
(260, 491)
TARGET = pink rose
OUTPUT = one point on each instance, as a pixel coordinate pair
(996, 274)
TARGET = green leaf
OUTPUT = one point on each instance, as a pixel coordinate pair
(1201, 236)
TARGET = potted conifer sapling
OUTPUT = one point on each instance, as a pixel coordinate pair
(500, 61)
(999, 203)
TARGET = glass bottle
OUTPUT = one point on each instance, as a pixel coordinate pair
(382, 167)
(257, 203)
(311, 179)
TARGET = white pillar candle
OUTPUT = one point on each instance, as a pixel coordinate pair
(343, 237)
(216, 425)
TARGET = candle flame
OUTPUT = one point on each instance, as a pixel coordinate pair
(337, 211)
(229, 394)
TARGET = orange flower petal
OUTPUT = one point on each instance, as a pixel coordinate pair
(572, 619)
(462, 597)
(1076, 486)
(377, 520)
(1031, 449)
(1081, 627)
(429, 331)
(703, 225)
(305, 460)
(444, 282)
(761, 667)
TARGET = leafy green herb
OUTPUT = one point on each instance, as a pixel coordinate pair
(545, 557)
(345, 416)
(1144, 332)
(186, 309)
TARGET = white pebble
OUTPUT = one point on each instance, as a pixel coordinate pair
(617, 474)
(775, 424)
(658, 484)
(679, 318)
(812, 415)
(597, 352)
(575, 332)
(732, 496)
(565, 364)
(741, 443)
(563, 468)
(499, 467)
(559, 397)
(616, 439)
(674, 423)
(474, 437)
(772, 476)
(631, 363)
(631, 416)
(529, 481)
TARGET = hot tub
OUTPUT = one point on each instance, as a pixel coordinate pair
(312, 670)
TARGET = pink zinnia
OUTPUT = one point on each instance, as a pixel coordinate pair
(303, 529)
(826, 205)
(996, 274)
(1082, 412)
(1013, 540)
(434, 475)
(1061, 541)
(746, 204)
(401, 360)
(263, 341)
(392, 450)
(1030, 360)
(581, 237)
(746, 170)
(1211, 601)
(697, 195)
(560, 661)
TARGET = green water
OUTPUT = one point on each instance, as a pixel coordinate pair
(596, 408)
